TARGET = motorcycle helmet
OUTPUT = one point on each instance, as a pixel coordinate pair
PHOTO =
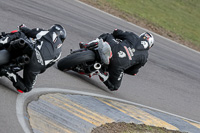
(149, 37)
(59, 30)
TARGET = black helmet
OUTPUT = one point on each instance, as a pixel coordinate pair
(59, 30)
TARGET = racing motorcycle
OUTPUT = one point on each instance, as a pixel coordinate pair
(90, 60)
(14, 57)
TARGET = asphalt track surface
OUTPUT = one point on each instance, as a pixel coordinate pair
(169, 81)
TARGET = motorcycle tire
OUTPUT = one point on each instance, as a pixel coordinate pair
(4, 57)
(70, 61)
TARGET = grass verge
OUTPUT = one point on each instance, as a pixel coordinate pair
(177, 20)
(123, 127)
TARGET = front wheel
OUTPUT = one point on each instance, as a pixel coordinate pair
(72, 60)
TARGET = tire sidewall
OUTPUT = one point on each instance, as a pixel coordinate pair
(70, 61)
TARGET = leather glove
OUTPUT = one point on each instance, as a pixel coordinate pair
(21, 26)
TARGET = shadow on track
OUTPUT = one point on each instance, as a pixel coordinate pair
(88, 80)
(6, 84)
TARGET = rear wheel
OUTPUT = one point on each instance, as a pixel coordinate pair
(4, 57)
(72, 60)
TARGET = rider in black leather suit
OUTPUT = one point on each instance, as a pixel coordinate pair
(44, 53)
(129, 54)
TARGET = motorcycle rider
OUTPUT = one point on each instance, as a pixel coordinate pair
(129, 54)
(43, 53)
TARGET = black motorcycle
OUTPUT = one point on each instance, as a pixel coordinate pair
(91, 60)
(14, 56)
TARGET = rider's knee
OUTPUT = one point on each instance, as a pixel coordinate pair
(28, 89)
(111, 86)
(21, 86)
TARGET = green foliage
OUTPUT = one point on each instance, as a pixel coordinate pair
(179, 16)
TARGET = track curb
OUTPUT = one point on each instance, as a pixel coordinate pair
(24, 99)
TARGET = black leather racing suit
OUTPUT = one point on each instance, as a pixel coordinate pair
(46, 51)
(129, 56)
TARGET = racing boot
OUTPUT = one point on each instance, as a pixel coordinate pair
(16, 80)
(103, 76)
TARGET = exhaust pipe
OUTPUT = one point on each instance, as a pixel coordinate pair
(97, 66)
(94, 67)
(23, 60)
(17, 44)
